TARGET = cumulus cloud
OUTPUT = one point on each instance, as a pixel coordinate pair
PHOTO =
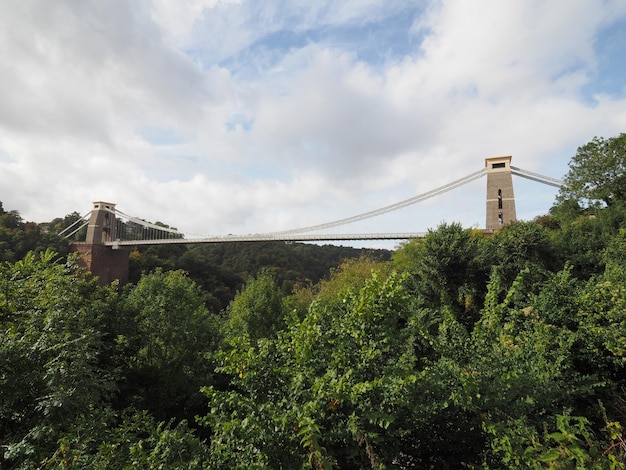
(235, 116)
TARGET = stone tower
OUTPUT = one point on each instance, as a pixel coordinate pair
(101, 226)
(500, 198)
(103, 261)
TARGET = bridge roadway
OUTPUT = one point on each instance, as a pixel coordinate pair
(266, 237)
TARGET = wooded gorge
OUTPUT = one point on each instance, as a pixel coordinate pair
(458, 350)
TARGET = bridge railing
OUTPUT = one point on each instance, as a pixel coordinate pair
(266, 237)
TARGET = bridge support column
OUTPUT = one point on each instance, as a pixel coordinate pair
(104, 262)
(500, 198)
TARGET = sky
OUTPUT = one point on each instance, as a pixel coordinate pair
(247, 116)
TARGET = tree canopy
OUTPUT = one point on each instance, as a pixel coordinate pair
(597, 173)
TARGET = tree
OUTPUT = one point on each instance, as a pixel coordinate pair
(169, 332)
(582, 241)
(325, 391)
(130, 439)
(597, 172)
(445, 270)
(518, 246)
(51, 347)
(615, 256)
(11, 219)
(350, 275)
(70, 220)
(256, 312)
(18, 237)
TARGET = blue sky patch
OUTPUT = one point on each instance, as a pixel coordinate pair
(160, 135)
(610, 75)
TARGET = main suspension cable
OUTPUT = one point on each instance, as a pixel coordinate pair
(557, 183)
(76, 222)
(392, 207)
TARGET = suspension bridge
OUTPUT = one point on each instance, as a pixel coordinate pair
(108, 230)
(111, 227)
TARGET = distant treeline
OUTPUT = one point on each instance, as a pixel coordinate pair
(221, 269)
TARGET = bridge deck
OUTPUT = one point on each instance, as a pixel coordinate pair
(265, 237)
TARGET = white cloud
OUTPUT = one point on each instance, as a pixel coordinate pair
(179, 19)
(147, 105)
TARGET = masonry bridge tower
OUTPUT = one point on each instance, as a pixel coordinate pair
(500, 197)
(102, 260)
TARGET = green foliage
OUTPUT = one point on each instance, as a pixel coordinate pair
(602, 327)
(333, 381)
(567, 211)
(59, 225)
(366, 382)
(17, 238)
(222, 269)
(50, 352)
(573, 445)
(558, 299)
(131, 440)
(256, 312)
(527, 360)
(290, 264)
(349, 276)
(519, 246)
(218, 283)
(614, 257)
(167, 333)
(556, 354)
(597, 172)
(582, 242)
(446, 270)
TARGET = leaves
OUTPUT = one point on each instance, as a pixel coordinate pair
(256, 312)
(51, 351)
(597, 172)
(167, 334)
